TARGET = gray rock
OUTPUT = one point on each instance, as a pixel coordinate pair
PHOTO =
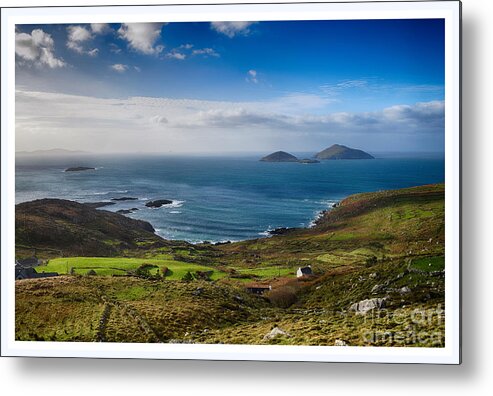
(365, 306)
(275, 332)
(404, 290)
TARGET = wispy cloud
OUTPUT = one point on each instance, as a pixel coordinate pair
(100, 28)
(206, 52)
(142, 37)
(252, 76)
(118, 67)
(232, 29)
(77, 38)
(195, 125)
(37, 48)
(174, 54)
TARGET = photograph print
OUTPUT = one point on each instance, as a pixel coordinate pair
(270, 182)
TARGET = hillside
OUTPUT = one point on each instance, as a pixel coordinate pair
(383, 248)
(77, 229)
(279, 156)
(338, 151)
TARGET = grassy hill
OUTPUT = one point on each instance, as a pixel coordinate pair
(386, 245)
(60, 227)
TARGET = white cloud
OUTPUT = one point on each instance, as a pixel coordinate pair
(36, 48)
(206, 52)
(148, 124)
(252, 76)
(185, 51)
(176, 55)
(77, 38)
(137, 69)
(93, 52)
(100, 28)
(118, 67)
(142, 36)
(231, 29)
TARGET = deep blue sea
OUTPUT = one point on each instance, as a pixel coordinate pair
(221, 198)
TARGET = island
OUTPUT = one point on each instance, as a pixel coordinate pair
(279, 156)
(338, 151)
(79, 169)
(308, 161)
(158, 203)
(125, 199)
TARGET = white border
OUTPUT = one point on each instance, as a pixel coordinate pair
(449, 10)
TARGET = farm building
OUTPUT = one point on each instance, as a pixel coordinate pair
(304, 271)
(28, 272)
(258, 289)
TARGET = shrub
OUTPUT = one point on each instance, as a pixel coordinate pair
(187, 277)
(370, 261)
(282, 297)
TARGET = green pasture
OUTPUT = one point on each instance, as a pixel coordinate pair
(120, 265)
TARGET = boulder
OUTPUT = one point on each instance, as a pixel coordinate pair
(365, 306)
(275, 332)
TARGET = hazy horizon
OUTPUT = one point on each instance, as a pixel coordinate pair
(229, 87)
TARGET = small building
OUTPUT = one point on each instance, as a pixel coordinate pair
(258, 289)
(304, 271)
(22, 272)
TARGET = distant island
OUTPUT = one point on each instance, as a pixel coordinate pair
(79, 169)
(334, 152)
(338, 151)
(279, 156)
(282, 156)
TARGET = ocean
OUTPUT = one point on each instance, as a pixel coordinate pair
(221, 198)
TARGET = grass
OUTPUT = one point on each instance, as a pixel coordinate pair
(119, 266)
(373, 245)
(429, 264)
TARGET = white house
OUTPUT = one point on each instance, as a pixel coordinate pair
(304, 271)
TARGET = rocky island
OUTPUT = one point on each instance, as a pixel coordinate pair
(158, 203)
(338, 151)
(125, 199)
(79, 169)
(279, 156)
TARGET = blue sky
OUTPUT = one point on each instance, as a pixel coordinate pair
(294, 85)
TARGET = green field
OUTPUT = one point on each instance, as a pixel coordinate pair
(387, 245)
(429, 264)
(119, 266)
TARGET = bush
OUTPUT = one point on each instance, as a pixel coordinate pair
(164, 271)
(282, 297)
(371, 261)
(143, 271)
(188, 277)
